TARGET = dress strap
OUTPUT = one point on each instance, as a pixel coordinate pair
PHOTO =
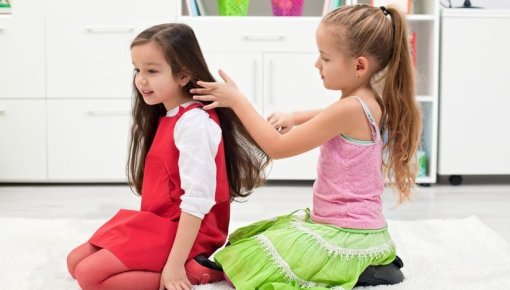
(192, 106)
(374, 129)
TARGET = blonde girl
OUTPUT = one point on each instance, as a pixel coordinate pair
(361, 48)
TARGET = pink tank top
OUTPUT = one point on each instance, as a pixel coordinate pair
(349, 184)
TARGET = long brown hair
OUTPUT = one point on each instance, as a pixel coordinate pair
(367, 30)
(245, 161)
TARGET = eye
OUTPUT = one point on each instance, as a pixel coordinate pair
(136, 71)
(325, 59)
(152, 71)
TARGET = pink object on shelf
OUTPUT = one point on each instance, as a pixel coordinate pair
(287, 7)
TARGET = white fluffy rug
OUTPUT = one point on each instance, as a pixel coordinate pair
(438, 254)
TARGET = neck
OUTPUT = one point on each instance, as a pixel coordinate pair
(361, 90)
(175, 102)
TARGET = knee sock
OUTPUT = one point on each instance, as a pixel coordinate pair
(77, 255)
(104, 271)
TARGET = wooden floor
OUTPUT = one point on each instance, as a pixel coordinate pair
(488, 199)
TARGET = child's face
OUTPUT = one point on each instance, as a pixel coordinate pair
(154, 78)
(338, 72)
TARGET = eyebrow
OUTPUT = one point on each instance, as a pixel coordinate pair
(150, 63)
(322, 52)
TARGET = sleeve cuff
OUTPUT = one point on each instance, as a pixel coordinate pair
(197, 207)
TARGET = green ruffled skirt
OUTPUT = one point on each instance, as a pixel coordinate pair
(293, 252)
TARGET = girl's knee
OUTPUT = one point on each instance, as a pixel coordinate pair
(72, 262)
(85, 276)
(77, 255)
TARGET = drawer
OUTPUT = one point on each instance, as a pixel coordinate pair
(23, 145)
(22, 57)
(88, 140)
(90, 57)
(112, 8)
(255, 33)
(26, 8)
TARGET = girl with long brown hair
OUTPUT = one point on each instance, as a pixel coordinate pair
(187, 164)
(360, 48)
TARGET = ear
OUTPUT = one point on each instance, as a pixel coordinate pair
(184, 79)
(362, 66)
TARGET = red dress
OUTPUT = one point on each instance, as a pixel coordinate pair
(142, 240)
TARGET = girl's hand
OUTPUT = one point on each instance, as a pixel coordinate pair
(219, 94)
(174, 277)
(282, 122)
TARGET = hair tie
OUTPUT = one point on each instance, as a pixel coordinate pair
(384, 10)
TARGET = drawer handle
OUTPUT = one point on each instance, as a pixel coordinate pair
(109, 29)
(263, 37)
(107, 112)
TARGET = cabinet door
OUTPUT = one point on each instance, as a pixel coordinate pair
(292, 83)
(474, 93)
(23, 145)
(21, 57)
(254, 34)
(88, 140)
(90, 57)
(244, 68)
(113, 8)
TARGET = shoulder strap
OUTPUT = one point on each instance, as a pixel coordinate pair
(183, 110)
(374, 129)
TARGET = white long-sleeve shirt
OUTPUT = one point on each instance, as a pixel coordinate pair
(197, 138)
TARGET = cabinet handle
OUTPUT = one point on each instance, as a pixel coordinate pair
(109, 29)
(1, 29)
(263, 37)
(107, 112)
(2, 111)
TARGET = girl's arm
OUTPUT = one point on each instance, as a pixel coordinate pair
(283, 122)
(174, 274)
(330, 122)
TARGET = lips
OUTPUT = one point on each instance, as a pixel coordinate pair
(146, 92)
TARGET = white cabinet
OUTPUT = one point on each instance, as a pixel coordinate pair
(278, 72)
(21, 57)
(23, 140)
(88, 140)
(89, 85)
(133, 9)
(246, 68)
(22, 106)
(90, 57)
(293, 83)
(66, 87)
(267, 57)
(474, 92)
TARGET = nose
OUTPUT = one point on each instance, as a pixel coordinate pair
(140, 79)
(317, 63)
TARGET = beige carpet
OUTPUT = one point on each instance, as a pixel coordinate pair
(438, 254)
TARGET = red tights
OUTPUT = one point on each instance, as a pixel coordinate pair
(98, 269)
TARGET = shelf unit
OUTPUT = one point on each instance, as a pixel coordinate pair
(80, 79)
(263, 52)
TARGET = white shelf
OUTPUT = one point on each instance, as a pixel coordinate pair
(421, 17)
(425, 179)
(426, 99)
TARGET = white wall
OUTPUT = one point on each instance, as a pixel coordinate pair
(490, 4)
